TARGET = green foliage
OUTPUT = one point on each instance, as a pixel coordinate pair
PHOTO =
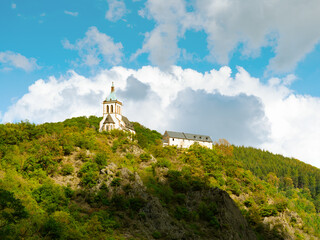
(51, 197)
(82, 156)
(233, 186)
(52, 229)
(32, 154)
(83, 122)
(116, 182)
(66, 169)
(11, 208)
(89, 174)
(268, 210)
(164, 152)
(208, 212)
(101, 159)
(156, 235)
(145, 157)
(136, 203)
(146, 137)
(287, 172)
(163, 162)
(181, 212)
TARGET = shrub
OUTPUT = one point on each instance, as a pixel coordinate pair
(82, 156)
(52, 229)
(115, 145)
(51, 197)
(177, 182)
(208, 213)
(248, 202)
(67, 149)
(89, 174)
(129, 156)
(118, 202)
(145, 157)
(136, 203)
(180, 198)
(156, 235)
(163, 162)
(116, 182)
(14, 210)
(267, 211)
(101, 159)
(67, 169)
(281, 206)
(181, 213)
(233, 186)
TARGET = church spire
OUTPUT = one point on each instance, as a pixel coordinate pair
(112, 95)
(112, 87)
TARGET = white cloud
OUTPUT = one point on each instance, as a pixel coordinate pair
(10, 59)
(73, 14)
(55, 99)
(241, 108)
(289, 27)
(117, 9)
(13, 6)
(162, 42)
(96, 46)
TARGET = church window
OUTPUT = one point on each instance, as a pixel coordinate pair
(111, 108)
(107, 108)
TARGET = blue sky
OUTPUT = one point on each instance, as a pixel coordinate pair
(236, 56)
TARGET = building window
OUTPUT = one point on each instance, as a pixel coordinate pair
(107, 108)
(172, 139)
(111, 108)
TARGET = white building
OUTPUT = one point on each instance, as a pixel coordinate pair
(185, 140)
(112, 115)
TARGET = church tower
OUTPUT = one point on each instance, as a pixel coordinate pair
(112, 114)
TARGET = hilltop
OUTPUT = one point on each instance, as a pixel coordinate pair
(66, 180)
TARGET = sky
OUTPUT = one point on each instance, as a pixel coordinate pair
(243, 70)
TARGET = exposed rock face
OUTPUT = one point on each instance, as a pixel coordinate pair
(154, 217)
(232, 224)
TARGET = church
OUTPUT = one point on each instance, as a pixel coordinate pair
(112, 115)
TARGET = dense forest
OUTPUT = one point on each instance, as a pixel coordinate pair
(66, 180)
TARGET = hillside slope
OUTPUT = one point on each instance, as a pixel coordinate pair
(68, 181)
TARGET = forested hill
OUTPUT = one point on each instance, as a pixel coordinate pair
(68, 181)
(286, 172)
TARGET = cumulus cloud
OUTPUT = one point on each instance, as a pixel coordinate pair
(73, 14)
(135, 90)
(55, 99)
(240, 108)
(117, 9)
(240, 118)
(289, 27)
(10, 59)
(172, 20)
(95, 47)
